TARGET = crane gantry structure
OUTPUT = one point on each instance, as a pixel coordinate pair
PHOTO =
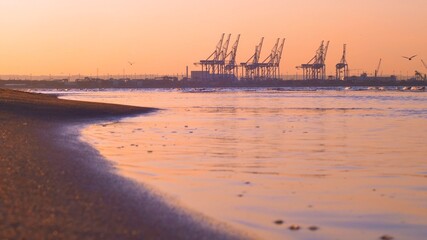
(230, 65)
(270, 67)
(341, 68)
(315, 69)
(267, 69)
(250, 68)
(221, 62)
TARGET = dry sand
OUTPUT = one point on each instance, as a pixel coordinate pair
(54, 187)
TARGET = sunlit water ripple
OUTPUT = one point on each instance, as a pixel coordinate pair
(351, 163)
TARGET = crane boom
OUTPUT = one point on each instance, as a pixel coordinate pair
(224, 50)
(232, 54)
(378, 68)
(425, 65)
(279, 52)
(326, 52)
(258, 51)
(217, 53)
(219, 47)
(344, 53)
(271, 58)
(234, 50)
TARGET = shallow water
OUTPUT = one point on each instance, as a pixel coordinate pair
(352, 163)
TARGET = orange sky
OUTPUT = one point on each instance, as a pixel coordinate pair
(163, 36)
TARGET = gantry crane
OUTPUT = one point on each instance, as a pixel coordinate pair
(211, 66)
(250, 68)
(267, 69)
(342, 67)
(270, 67)
(231, 66)
(315, 69)
(216, 65)
(224, 50)
(279, 56)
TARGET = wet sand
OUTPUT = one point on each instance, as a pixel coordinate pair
(54, 187)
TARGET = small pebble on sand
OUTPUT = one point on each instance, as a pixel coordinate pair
(294, 227)
(386, 237)
(279, 222)
(313, 228)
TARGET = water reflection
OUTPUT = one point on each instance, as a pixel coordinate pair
(351, 163)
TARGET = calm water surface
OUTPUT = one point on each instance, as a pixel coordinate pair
(353, 164)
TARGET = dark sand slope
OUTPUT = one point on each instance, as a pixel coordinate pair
(54, 187)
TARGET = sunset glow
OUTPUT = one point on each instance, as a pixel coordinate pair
(220, 119)
(163, 37)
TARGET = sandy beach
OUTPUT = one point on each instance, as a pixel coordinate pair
(53, 186)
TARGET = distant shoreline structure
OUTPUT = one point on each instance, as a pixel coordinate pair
(174, 82)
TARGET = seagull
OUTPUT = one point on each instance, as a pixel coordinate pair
(409, 58)
(131, 63)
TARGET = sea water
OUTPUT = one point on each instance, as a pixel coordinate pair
(348, 164)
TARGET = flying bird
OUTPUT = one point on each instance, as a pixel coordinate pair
(409, 58)
(131, 63)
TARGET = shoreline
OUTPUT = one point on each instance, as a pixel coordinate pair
(56, 187)
(95, 83)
